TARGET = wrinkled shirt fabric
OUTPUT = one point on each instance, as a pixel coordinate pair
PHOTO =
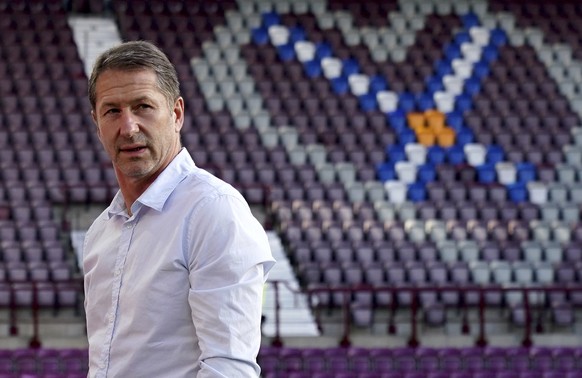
(175, 289)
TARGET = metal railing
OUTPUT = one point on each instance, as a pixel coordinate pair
(11, 290)
(415, 306)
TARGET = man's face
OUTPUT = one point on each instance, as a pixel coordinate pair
(137, 127)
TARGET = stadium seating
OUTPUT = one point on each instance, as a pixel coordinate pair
(393, 144)
(43, 363)
(498, 362)
(484, 185)
(47, 146)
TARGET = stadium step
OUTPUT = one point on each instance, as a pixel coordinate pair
(296, 318)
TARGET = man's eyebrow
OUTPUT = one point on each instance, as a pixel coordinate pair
(141, 99)
(108, 105)
(133, 101)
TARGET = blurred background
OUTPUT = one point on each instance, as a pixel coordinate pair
(417, 164)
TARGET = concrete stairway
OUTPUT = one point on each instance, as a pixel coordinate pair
(295, 317)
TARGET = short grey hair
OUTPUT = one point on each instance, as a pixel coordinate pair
(137, 55)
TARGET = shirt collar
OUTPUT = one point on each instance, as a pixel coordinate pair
(158, 192)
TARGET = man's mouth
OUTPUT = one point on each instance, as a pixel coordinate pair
(132, 149)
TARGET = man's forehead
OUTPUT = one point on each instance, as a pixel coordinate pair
(114, 77)
(129, 86)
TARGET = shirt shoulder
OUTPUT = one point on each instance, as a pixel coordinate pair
(200, 186)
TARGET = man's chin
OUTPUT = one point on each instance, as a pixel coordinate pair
(135, 170)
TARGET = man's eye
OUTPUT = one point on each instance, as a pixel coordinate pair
(111, 111)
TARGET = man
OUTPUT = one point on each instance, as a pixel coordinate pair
(175, 266)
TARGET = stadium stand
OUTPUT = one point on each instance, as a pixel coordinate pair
(417, 162)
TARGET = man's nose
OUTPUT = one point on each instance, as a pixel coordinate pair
(129, 123)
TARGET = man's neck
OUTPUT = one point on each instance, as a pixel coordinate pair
(132, 190)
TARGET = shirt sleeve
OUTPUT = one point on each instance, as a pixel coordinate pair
(230, 256)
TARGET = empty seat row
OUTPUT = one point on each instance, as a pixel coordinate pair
(353, 272)
(438, 249)
(32, 250)
(46, 231)
(47, 86)
(313, 229)
(44, 362)
(424, 359)
(427, 374)
(36, 271)
(48, 294)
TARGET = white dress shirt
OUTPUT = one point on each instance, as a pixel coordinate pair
(175, 289)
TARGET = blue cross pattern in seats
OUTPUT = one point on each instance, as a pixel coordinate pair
(429, 126)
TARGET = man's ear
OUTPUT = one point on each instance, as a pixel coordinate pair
(178, 114)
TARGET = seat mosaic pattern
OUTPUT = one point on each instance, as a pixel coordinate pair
(474, 146)
(437, 139)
